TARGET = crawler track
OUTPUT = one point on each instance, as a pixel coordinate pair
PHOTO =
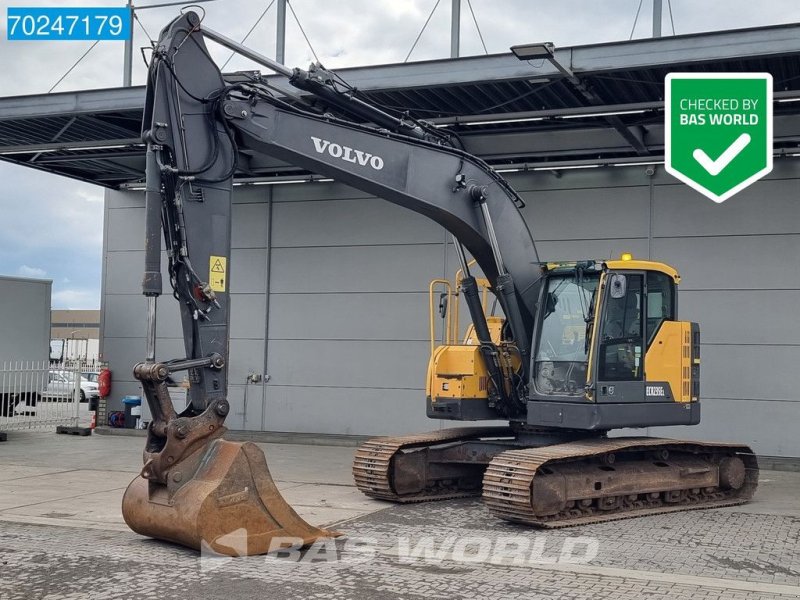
(587, 481)
(373, 464)
(512, 491)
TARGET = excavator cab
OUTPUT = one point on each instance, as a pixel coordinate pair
(607, 351)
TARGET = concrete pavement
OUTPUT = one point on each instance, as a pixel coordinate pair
(62, 536)
(56, 479)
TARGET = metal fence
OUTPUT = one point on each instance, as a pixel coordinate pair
(40, 395)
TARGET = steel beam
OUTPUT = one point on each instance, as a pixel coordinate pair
(633, 135)
(553, 113)
(87, 177)
(60, 132)
(639, 54)
(67, 104)
(68, 158)
(491, 145)
(495, 145)
(62, 146)
(738, 44)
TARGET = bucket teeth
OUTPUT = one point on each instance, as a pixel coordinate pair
(229, 505)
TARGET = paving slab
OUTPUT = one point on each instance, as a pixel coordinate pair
(12, 472)
(66, 486)
(65, 539)
(85, 478)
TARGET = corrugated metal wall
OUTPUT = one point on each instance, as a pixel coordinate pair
(343, 280)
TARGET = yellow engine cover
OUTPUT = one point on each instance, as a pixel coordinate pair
(669, 359)
(457, 372)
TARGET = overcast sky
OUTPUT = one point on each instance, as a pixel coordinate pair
(52, 227)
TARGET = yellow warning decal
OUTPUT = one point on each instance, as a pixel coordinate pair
(217, 273)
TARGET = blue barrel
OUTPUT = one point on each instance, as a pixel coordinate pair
(132, 410)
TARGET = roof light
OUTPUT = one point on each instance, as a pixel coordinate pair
(603, 114)
(500, 121)
(531, 51)
(626, 256)
(564, 167)
(272, 182)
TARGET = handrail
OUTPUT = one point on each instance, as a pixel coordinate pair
(452, 325)
(448, 334)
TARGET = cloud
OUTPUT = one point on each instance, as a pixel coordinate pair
(56, 223)
(52, 227)
(364, 32)
(35, 272)
(76, 299)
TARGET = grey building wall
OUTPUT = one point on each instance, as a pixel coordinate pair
(329, 295)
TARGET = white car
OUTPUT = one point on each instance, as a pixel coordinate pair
(61, 385)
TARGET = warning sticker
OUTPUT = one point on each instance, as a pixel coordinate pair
(217, 269)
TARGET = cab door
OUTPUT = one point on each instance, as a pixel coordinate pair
(621, 339)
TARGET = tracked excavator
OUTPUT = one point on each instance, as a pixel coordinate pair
(563, 352)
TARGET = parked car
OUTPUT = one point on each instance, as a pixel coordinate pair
(61, 386)
(92, 376)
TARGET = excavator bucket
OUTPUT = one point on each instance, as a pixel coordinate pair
(221, 498)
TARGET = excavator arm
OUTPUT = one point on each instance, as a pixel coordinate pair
(201, 130)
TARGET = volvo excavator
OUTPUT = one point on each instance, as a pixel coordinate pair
(563, 352)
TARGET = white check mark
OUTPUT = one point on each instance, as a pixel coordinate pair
(715, 167)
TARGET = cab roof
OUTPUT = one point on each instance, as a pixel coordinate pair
(625, 263)
(634, 264)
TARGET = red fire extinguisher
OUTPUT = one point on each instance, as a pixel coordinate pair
(104, 388)
(104, 382)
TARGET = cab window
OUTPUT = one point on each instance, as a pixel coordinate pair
(621, 335)
(562, 353)
(660, 302)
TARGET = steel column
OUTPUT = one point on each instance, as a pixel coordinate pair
(455, 29)
(280, 44)
(128, 60)
(657, 12)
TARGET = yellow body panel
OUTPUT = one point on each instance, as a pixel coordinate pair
(643, 265)
(669, 359)
(458, 372)
(495, 328)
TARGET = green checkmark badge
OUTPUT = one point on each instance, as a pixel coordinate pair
(718, 137)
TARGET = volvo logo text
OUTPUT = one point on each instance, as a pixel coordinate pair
(348, 154)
